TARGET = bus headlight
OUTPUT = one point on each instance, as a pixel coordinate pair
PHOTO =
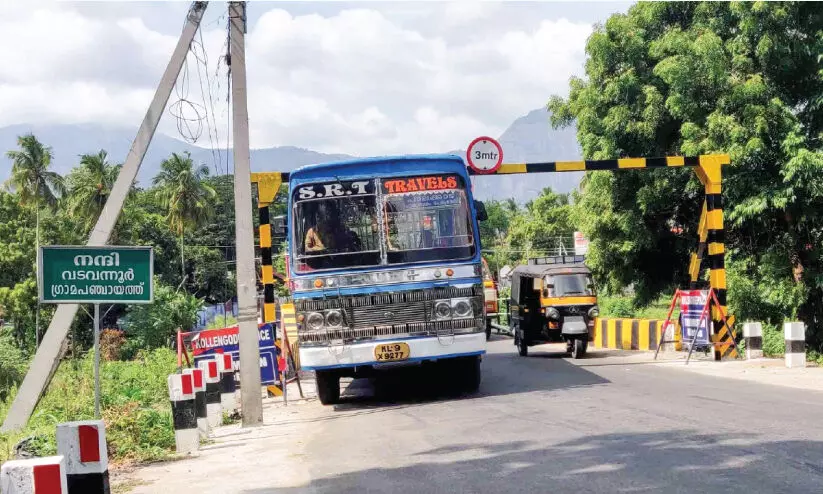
(334, 318)
(442, 310)
(314, 321)
(461, 308)
(552, 313)
(594, 312)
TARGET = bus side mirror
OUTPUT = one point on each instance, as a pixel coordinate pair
(481, 211)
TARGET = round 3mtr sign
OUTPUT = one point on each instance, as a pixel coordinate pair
(484, 155)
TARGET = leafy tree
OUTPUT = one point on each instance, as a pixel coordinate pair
(493, 232)
(185, 195)
(30, 177)
(89, 187)
(208, 274)
(35, 184)
(694, 78)
(18, 239)
(543, 226)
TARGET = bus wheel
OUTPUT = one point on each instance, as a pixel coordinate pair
(579, 348)
(488, 329)
(522, 347)
(328, 387)
(470, 375)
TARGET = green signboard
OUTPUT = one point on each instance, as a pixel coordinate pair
(95, 275)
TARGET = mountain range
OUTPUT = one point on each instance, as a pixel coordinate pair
(529, 138)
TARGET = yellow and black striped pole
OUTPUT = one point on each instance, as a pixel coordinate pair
(268, 184)
(710, 174)
(697, 257)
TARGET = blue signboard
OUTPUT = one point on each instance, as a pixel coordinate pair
(692, 303)
(209, 342)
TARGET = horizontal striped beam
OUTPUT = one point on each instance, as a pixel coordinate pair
(615, 164)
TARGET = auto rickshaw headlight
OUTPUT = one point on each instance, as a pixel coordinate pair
(314, 321)
(461, 308)
(552, 313)
(442, 309)
(594, 312)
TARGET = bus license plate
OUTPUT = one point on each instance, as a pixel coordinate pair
(391, 352)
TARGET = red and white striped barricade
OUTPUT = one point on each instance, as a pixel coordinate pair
(83, 445)
(200, 401)
(35, 476)
(214, 409)
(225, 365)
(184, 413)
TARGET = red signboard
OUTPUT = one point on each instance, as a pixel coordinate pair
(417, 184)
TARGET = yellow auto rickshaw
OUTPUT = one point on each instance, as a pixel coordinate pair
(553, 299)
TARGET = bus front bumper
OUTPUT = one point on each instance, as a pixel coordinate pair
(420, 349)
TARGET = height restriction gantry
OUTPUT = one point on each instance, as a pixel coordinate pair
(711, 232)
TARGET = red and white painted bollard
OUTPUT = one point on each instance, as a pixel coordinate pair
(225, 364)
(83, 445)
(184, 413)
(35, 476)
(199, 401)
(214, 409)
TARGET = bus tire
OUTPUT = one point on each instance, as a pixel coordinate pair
(488, 329)
(580, 345)
(327, 384)
(522, 347)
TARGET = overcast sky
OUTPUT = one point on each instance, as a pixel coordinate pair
(354, 77)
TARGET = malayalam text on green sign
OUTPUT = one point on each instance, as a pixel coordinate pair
(108, 274)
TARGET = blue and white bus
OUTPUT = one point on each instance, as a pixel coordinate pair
(384, 259)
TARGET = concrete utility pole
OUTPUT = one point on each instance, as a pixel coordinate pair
(49, 352)
(251, 400)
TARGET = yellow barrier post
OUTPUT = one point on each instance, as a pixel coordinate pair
(710, 173)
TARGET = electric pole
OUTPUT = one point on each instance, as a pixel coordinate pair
(49, 352)
(251, 400)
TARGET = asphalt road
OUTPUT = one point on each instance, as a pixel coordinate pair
(549, 424)
(606, 424)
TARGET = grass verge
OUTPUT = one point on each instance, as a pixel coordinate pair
(134, 405)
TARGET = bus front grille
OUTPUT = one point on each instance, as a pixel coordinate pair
(438, 328)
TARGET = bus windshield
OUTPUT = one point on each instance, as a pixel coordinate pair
(426, 218)
(348, 224)
(334, 229)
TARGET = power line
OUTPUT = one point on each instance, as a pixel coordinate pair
(216, 154)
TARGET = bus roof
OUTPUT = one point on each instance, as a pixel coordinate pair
(382, 165)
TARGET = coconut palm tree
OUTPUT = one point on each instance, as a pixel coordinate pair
(184, 193)
(90, 185)
(36, 185)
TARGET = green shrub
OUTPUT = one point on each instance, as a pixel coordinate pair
(13, 363)
(774, 342)
(616, 307)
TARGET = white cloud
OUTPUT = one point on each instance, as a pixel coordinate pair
(404, 78)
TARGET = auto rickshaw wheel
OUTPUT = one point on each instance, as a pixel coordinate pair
(522, 347)
(580, 345)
